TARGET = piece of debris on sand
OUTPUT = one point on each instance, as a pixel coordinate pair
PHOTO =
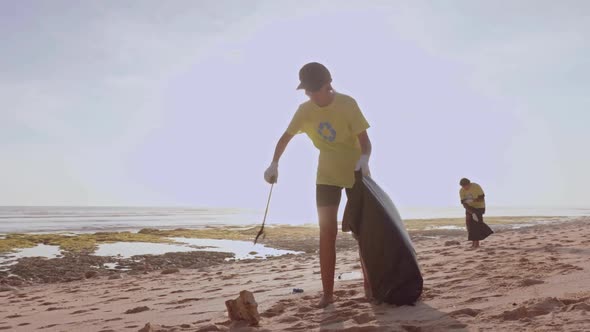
(243, 308)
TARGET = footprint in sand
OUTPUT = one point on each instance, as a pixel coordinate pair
(137, 310)
(48, 303)
(346, 293)
(57, 308)
(190, 299)
(78, 312)
(48, 326)
(299, 327)
(331, 319)
(412, 328)
(305, 309)
(134, 289)
(476, 299)
(289, 319)
(113, 319)
(213, 290)
(364, 318)
(274, 311)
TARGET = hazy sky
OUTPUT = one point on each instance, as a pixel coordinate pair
(181, 102)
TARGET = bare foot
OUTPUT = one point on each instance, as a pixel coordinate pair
(376, 301)
(325, 301)
(368, 293)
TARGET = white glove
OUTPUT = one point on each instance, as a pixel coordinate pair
(475, 218)
(469, 201)
(363, 165)
(271, 174)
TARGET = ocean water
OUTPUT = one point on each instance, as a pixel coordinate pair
(93, 219)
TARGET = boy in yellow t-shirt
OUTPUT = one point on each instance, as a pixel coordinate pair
(337, 128)
(473, 200)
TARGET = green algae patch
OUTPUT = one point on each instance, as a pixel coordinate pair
(236, 233)
(75, 243)
(15, 241)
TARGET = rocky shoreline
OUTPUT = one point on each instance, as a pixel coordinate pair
(74, 266)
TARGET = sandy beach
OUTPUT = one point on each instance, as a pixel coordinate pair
(528, 279)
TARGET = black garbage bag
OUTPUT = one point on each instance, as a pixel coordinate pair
(385, 246)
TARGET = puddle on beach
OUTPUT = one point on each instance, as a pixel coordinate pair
(241, 250)
(41, 250)
(128, 249)
(114, 266)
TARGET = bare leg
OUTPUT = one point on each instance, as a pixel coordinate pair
(328, 231)
(366, 284)
(468, 221)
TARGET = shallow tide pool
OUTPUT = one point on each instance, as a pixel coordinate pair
(41, 250)
(240, 249)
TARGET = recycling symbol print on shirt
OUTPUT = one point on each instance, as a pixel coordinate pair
(327, 132)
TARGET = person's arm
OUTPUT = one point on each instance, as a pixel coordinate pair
(465, 202)
(363, 162)
(467, 207)
(365, 143)
(480, 198)
(271, 174)
(281, 146)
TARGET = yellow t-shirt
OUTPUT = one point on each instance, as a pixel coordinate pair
(333, 130)
(473, 192)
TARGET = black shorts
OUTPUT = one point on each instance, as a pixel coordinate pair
(327, 195)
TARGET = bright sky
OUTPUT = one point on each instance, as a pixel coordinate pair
(181, 102)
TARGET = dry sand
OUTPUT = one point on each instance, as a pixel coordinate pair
(533, 279)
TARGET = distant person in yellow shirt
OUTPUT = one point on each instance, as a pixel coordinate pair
(336, 126)
(473, 200)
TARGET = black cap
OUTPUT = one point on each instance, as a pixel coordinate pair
(464, 182)
(313, 76)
